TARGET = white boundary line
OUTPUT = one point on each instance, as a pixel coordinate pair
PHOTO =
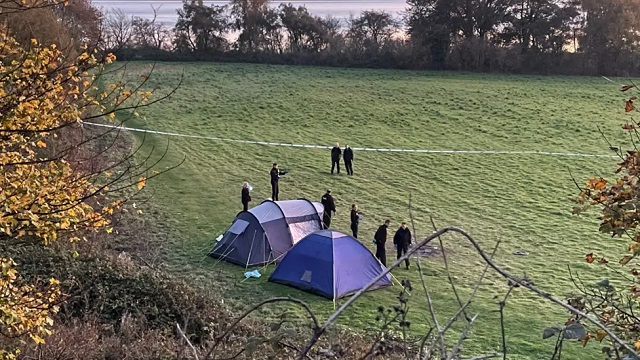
(424, 151)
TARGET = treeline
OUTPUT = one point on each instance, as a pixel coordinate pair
(588, 37)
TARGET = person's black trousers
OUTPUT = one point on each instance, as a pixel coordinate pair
(381, 254)
(335, 163)
(354, 230)
(275, 190)
(349, 166)
(245, 206)
(326, 220)
(402, 249)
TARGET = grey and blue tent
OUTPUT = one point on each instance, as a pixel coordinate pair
(266, 232)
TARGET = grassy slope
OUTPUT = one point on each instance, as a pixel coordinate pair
(520, 200)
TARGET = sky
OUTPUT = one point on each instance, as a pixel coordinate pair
(166, 9)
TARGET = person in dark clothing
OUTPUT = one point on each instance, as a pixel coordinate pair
(348, 159)
(402, 240)
(246, 196)
(335, 158)
(355, 220)
(275, 178)
(329, 206)
(381, 239)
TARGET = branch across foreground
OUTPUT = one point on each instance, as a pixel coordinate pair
(437, 337)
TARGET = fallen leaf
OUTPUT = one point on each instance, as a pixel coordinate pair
(625, 260)
(629, 106)
(590, 258)
(142, 182)
(626, 87)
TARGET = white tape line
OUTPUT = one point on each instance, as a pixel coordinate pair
(424, 151)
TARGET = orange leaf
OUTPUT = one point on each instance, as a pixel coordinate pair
(599, 184)
(637, 345)
(142, 182)
(589, 258)
(629, 106)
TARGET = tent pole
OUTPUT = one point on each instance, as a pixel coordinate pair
(265, 265)
(224, 255)
(250, 250)
(394, 278)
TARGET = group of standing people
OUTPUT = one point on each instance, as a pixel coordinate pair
(347, 155)
(402, 237)
(401, 241)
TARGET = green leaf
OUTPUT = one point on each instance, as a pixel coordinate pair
(575, 331)
(550, 331)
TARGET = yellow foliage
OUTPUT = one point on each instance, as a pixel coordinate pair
(142, 182)
(42, 195)
(24, 309)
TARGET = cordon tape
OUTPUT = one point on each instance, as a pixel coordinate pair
(424, 151)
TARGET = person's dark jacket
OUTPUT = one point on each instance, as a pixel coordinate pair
(246, 197)
(355, 218)
(402, 237)
(381, 235)
(336, 153)
(348, 154)
(328, 203)
(275, 175)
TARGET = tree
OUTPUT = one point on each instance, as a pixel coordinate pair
(477, 18)
(55, 185)
(541, 25)
(617, 201)
(251, 19)
(149, 33)
(200, 28)
(371, 30)
(430, 29)
(117, 30)
(612, 28)
(306, 33)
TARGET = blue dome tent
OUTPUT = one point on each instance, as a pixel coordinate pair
(330, 264)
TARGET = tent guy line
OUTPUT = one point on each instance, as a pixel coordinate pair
(423, 151)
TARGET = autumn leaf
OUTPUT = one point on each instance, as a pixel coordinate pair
(41, 144)
(590, 258)
(626, 87)
(600, 335)
(603, 261)
(637, 345)
(628, 127)
(625, 260)
(597, 184)
(629, 106)
(142, 182)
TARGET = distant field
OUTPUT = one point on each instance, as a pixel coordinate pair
(521, 200)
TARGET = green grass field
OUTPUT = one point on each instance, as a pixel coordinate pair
(520, 200)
